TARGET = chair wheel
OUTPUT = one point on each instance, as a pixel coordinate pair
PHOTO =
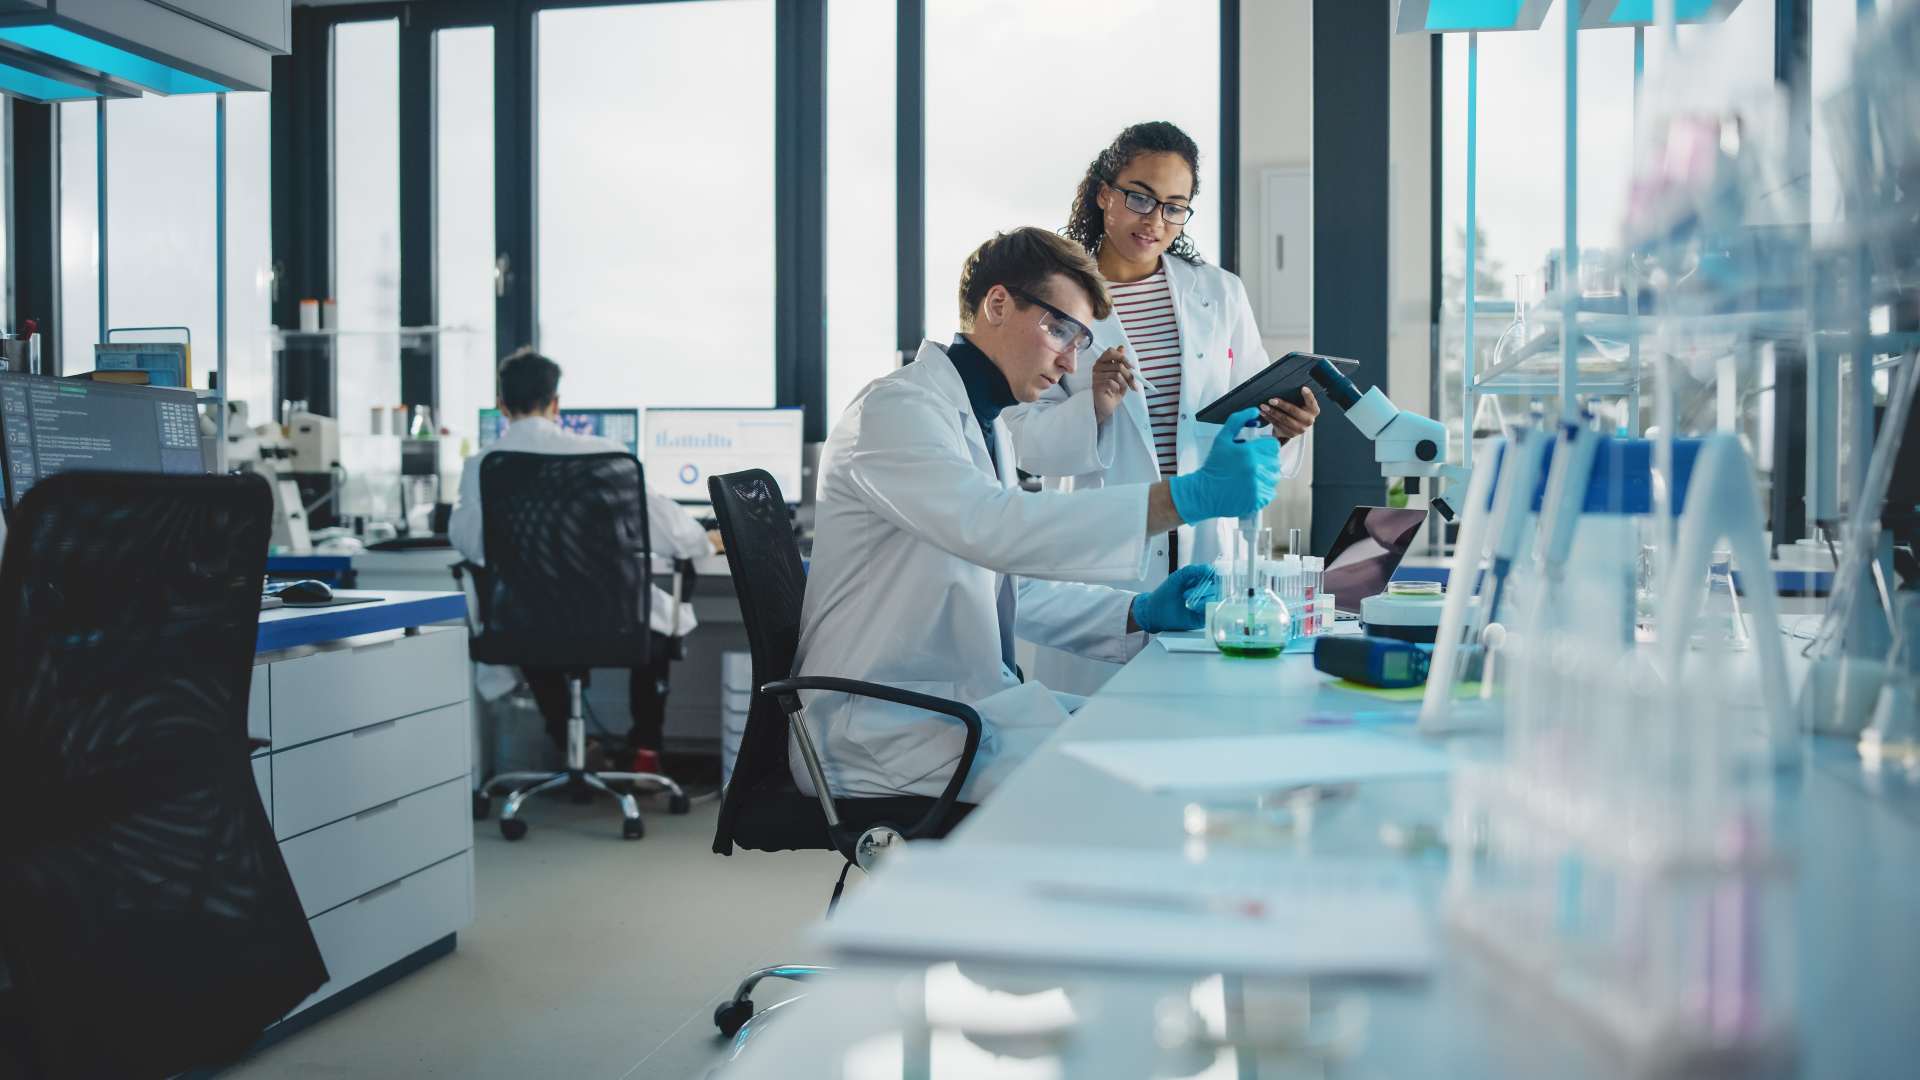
(482, 806)
(730, 1016)
(512, 828)
(632, 828)
(678, 803)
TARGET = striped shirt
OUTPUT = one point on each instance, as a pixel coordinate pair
(1145, 308)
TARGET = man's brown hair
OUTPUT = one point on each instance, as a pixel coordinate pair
(1024, 259)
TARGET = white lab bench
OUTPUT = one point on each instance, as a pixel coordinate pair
(366, 713)
(1854, 835)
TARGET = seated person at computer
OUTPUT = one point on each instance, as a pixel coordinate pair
(530, 400)
(928, 558)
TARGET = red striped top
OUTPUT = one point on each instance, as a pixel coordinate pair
(1145, 308)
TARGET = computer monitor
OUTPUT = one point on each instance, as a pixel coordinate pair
(683, 447)
(620, 425)
(50, 425)
(1367, 552)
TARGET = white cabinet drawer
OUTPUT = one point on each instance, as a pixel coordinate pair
(339, 690)
(364, 935)
(334, 864)
(257, 725)
(263, 779)
(335, 778)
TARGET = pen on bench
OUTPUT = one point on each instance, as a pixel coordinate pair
(1245, 907)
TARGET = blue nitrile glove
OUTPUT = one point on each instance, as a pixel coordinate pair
(1237, 478)
(1180, 602)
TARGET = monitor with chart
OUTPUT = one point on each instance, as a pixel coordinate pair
(683, 447)
(50, 425)
(620, 425)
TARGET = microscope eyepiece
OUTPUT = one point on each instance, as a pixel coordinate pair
(1339, 388)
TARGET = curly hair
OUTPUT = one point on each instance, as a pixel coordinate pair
(1086, 223)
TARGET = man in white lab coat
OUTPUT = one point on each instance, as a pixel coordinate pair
(928, 558)
(530, 400)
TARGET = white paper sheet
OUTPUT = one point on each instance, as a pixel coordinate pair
(1185, 643)
(991, 902)
(1259, 762)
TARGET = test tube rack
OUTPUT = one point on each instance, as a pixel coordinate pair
(1620, 860)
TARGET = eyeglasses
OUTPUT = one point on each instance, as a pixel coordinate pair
(1063, 330)
(1144, 204)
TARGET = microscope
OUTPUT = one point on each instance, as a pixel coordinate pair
(1405, 444)
(1409, 446)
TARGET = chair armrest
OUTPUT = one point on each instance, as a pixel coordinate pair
(958, 711)
(478, 595)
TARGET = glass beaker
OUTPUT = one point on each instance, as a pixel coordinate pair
(1252, 621)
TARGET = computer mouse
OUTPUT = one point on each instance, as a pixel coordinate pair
(305, 592)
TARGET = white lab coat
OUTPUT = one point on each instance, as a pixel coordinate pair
(919, 545)
(674, 532)
(1056, 437)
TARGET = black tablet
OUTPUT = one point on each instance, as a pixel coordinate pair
(1281, 379)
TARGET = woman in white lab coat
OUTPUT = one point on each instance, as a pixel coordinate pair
(1181, 334)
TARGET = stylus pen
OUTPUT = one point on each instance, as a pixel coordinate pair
(1140, 380)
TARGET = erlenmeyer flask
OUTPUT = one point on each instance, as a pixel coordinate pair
(1721, 626)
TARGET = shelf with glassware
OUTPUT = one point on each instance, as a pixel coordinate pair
(357, 378)
(1526, 358)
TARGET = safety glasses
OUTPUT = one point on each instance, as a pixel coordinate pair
(1065, 332)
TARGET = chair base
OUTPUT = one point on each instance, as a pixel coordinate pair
(734, 1013)
(525, 785)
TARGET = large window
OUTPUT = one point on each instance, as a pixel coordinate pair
(162, 231)
(655, 202)
(161, 227)
(250, 275)
(861, 250)
(463, 230)
(79, 235)
(366, 239)
(1021, 96)
(628, 226)
(1520, 223)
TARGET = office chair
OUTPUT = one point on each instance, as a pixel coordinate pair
(146, 917)
(762, 809)
(566, 585)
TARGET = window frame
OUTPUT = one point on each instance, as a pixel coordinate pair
(302, 189)
(1789, 66)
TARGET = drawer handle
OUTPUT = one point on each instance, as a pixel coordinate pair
(381, 809)
(381, 891)
(376, 728)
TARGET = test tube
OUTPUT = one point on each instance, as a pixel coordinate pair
(1310, 591)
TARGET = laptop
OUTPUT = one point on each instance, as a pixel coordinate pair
(1366, 553)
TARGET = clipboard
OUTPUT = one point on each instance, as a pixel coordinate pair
(1281, 379)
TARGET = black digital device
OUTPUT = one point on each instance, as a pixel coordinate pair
(1281, 379)
(50, 426)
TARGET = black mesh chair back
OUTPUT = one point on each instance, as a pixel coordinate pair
(146, 918)
(770, 581)
(567, 576)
